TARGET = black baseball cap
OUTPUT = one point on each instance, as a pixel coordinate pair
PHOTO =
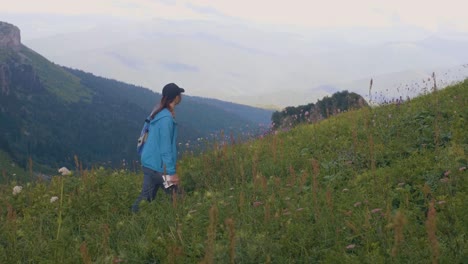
(171, 90)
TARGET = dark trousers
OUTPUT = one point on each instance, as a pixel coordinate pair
(152, 181)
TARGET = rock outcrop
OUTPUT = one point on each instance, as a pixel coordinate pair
(10, 36)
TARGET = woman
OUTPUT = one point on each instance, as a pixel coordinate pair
(159, 156)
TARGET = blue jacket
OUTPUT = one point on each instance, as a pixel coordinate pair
(161, 146)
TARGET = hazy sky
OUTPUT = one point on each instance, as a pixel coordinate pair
(315, 46)
(428, 14)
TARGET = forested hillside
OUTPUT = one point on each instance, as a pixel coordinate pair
(49, 114)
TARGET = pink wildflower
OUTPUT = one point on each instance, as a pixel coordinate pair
(118, 260)
(350, 246)
(376, 210)
(257, 203)
(357, 204)
(444, 180)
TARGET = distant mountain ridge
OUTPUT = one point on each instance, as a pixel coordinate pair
(50, 113)
(254, 66)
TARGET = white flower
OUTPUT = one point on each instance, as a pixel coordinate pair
(53, 199)
(64, 171)
(17, 190)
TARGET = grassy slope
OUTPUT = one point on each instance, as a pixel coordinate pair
(9, 170)
(56, 79)
(376, 185)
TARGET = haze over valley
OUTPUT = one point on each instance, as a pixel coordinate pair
(248, 63)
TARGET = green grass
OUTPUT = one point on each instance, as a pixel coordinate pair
(56, 79)
(378, 185)
(10, 171)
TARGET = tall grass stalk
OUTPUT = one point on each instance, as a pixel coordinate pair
(232, 239)
(431, 227)
(211, 235)
(399, 222)
(59, 218)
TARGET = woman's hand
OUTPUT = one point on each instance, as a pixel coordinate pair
(174, 179)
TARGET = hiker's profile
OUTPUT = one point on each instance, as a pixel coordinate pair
(159, 154)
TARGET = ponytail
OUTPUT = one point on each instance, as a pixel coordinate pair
(165, 103)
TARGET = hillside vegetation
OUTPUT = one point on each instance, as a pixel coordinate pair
(377, 185)
(49, 114)
(323, 108)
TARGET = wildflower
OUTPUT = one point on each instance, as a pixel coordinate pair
(299, 209)
(462, 169)
(350, 246)
(53, 199)
(401, 184)
(345, 190)
(444, 180)
(441, 202)
(117, 260)
(357, 204)
(17, 190)
(257, 203)
(376, 210)
(447, 173)
(64, 171)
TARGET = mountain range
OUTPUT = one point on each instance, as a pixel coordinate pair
(49, 113)
(257, 65)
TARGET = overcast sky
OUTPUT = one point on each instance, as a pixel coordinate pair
(267, 44)
(428, 14)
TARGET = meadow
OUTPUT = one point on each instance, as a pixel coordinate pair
(383, 184)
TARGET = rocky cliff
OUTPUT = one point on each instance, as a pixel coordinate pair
(10, 36)
(15, 72)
